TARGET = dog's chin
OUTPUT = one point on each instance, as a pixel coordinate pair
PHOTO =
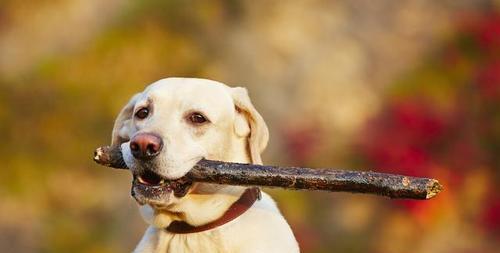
(151, 188)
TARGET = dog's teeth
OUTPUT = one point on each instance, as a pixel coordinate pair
(141, 180)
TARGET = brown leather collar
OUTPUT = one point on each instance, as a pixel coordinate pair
(236, 209)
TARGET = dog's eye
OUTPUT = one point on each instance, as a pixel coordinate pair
(142, 113)
(197, 118)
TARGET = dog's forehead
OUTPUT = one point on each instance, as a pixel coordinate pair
(189, 92)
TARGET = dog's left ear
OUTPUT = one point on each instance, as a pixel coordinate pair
(249, 123)
(122, 124)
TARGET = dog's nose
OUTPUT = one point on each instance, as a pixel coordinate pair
(145, 146)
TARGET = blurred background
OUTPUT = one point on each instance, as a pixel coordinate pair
(410, 87)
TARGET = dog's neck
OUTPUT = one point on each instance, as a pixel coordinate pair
(205, 202)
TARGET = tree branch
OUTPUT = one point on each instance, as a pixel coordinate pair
(217, 172)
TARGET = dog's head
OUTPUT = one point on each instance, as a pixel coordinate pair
(166, 129)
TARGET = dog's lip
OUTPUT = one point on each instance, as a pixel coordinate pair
(152, 184)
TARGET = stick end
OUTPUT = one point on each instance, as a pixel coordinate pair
(433, 188)
(101, 156)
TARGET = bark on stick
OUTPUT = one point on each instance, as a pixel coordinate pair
(297, 178)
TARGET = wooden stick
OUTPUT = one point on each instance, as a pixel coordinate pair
(217, 172)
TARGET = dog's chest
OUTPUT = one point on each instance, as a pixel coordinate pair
(209, 242)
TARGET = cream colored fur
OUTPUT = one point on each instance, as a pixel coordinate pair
(236, 133)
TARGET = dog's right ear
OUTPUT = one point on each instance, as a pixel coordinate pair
(122, 126)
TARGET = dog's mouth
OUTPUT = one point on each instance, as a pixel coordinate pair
(150, 178)
(149, 185)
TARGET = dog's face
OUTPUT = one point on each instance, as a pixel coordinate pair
(165, 130)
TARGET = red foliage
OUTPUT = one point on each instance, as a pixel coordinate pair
(301, 141)
(402, 138)
(411, 137)
(490, 217)
(484, 28)
(420, 119)
(488, 80)
(488, 32)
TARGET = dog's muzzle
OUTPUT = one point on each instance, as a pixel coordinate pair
(149, 186)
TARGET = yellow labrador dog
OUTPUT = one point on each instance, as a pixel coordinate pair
(163, 132)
